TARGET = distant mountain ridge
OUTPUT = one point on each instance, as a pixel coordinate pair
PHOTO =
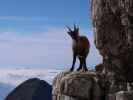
(12, 77)
(32, 89)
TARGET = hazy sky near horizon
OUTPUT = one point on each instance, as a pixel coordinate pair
(33, 33)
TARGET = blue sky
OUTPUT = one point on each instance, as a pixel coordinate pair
(33, 33)
(42, 12)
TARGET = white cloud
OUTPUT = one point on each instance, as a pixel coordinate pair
(16, 76)
(51, 49)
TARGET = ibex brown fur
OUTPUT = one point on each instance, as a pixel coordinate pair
(80, 48)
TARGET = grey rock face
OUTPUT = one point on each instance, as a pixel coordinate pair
(76, 86)
(122, 95)
(113, 29)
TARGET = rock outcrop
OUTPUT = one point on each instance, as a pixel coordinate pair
(113, 33)
(124, 95)
(76, 86)
(32, 89)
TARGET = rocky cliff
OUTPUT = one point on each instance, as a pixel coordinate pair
(90, 85)
(113, 33)
(76, 86)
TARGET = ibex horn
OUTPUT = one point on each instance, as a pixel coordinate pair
(69, 28)
(75, 27)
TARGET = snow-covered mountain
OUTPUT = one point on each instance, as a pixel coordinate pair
(10, 78)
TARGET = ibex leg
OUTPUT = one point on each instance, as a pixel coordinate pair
(73, 64)
(84, 65)
(81, 63)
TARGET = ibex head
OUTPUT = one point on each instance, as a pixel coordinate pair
(73, 33)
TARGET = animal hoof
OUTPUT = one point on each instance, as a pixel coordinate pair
(78, 69)
(86, 69)
(71, 69)
(82, 70)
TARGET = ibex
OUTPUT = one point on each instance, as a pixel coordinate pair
(80, 48)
